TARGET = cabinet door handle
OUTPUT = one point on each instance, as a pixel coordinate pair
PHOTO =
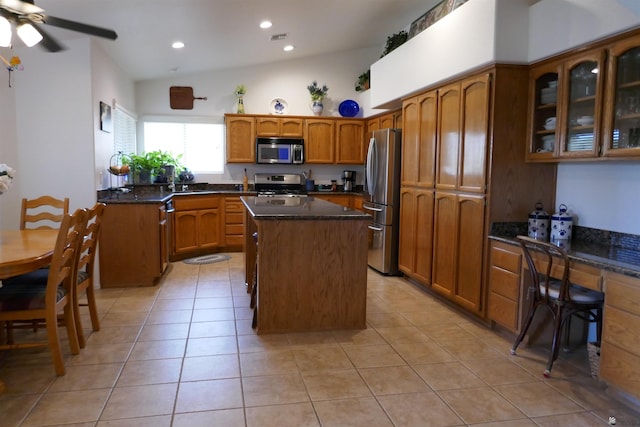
(374, 228)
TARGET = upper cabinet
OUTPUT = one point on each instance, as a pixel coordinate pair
(289, 127)
(585, 106)
(241, 145)
(621, 135)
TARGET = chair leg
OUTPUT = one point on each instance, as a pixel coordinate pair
(54, 345)
(93, 308)
(523, 332)
(555, 344)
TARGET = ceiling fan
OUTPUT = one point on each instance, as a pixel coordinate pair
(24, 13)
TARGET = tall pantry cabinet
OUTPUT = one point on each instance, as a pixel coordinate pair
(471, 138)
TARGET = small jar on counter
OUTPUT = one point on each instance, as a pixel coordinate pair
(334, 185)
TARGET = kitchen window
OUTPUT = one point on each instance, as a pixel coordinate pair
(201, 144)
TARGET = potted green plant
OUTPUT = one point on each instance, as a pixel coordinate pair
(394, 41)
(139, 166)
(164, 165)
(144, 166)
(363, 81)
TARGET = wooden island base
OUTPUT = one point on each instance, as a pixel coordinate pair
(312, 273)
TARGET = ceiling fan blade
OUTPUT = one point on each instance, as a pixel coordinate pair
(47, 42)
(78, 26)
(20, 7)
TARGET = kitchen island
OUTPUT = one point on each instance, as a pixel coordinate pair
(311, 263)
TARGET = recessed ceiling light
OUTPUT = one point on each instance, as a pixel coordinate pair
(265, 24)
(288, 48)
(177, 45)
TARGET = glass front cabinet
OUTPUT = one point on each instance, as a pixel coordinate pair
(621, 134)
(587, 105)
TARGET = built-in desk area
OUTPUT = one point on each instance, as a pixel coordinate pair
(600, 260)
(311, 263)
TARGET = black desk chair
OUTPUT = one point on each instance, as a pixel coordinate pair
(562, 298)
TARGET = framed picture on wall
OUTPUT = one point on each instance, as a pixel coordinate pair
(106, 125)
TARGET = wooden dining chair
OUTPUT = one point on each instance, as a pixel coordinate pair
(551, 288)
(47, 293)
(43, 212)
(86, 267)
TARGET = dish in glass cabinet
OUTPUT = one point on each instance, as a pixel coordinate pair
(278, 106)
(348, 108)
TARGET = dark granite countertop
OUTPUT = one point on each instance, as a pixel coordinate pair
(299, 208)
(617, 252)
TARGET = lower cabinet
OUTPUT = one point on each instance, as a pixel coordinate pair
(233, 224)
(458, 243)
(133, 244)
(416, 233)
(505, 268)
(619, 352)
(196, 226)
(343, 199)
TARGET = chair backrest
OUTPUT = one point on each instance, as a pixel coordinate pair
(554, 261)
(90, 240)
(43, 212)
(63, 267)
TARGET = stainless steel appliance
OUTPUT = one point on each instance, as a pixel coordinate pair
(382, 199)
(284, 184)
(349, 180)
(280, 150)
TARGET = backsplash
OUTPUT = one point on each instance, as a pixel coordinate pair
(582, 234)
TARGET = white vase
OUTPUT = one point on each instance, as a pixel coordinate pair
(317, 107)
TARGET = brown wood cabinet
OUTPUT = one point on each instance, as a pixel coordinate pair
(462, 146)
(416, 233)
(133, 244)
(583, 105)
(196, 225)
(619, 353)
(241, 138)
(343, 199)
(505, 271)
(290, 127)
(384, 121)
(319, 140)
(233, 223)
(350, 143)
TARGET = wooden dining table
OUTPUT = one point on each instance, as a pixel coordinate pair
(22, 251)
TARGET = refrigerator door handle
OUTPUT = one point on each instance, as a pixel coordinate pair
(372, 161)
(375, 228)
(369, 208)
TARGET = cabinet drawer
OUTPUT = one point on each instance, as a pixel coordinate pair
(622, 329)
(194, 203)
(580, 274)
(234, 240)
(623, 292)
(230, 229)
(506, 259)
(233, 204)
(505, 283)
(503, 311)
(234, 218)
(620, 367)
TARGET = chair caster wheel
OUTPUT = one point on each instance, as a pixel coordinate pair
(547, 373)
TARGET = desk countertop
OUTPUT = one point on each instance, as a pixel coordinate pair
(299, 208)
(592, 247)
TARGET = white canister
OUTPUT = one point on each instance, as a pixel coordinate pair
(561, 224)
(538, 225)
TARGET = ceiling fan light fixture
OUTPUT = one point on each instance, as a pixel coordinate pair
(5, 32)
(28, 34)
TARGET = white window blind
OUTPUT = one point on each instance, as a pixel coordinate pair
(200, 144)
(124, 126)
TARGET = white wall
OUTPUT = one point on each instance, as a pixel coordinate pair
(10, 200)
(287, 80)
(54, 124)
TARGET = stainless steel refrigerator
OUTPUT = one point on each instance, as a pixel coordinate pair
(382, 199)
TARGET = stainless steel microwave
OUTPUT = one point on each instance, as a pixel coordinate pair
(280, 150)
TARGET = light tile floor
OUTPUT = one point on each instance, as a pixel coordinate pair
(183, 354)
